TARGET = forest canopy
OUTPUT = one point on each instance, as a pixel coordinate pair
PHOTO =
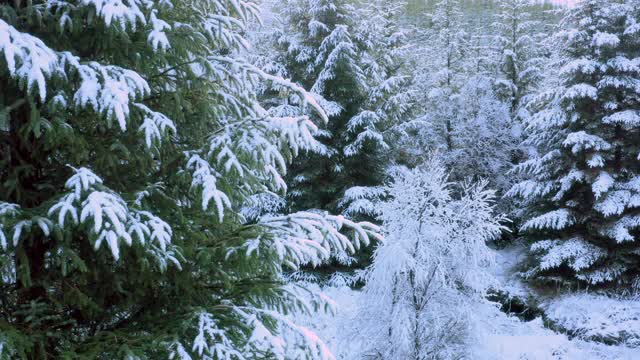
(319, 179)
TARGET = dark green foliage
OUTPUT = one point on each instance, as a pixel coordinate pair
(346, 53)
(583, 186)
(83, 288)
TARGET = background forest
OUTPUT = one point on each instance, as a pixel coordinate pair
(319, 179)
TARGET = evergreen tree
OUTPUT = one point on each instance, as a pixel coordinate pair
(518, 39)
(438, 57)
(347, 56)
(485, 137)
(389, 100)
(131, 138)
(451, 48)
(482, 59)
(464, 118)
(319, 51)
(583, 188)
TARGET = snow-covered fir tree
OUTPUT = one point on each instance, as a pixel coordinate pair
(518, 40)
(169, 170)
(451, 45)
(583, 191)
(429, 270)
(437, 56)
(390, 98)
(485, 138)
(348, 56)
(131, 141)
(463, 116)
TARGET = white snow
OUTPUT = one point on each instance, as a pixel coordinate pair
(601, 39)
(204, 176)
(575, 252)
(556, 219)
(508, 338)
(158, 37)
(498, 336)
(591, 316)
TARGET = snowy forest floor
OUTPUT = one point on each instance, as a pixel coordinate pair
(586, 316)
(591, 321)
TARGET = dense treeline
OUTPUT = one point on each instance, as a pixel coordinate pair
(168, 166)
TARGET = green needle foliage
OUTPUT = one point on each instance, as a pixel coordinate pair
(582, 185)
(130, 139)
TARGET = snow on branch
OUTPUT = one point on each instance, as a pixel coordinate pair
(337, 48)
(206, 177)
(362, 200)
(157, 37)
(605, 40)
(581, 141)
(257, 150)
(629, 118)
(621, 229)
(568, 181)
(306, 238)
(614, 203)
(296, 133)
(364, 124)
(215, 339)
(277, 81)
(8, 212)
(254, 150)
(603, 184)
(527, 189)
(580, 66)
(301, 336)
(256, 145)
(556, 220)
(576, 253)
(107, 90)
(581, 91)
(28, 59)
(122, 14)
(235, 9)
(154, 125)
(108, 218)
(119, 14)
(369, 134)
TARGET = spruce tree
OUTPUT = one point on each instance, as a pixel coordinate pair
(347, 56)
(583, 189)
(464, 118)
(482, 59)
(390, 99)
(441, 62)
(131, 138)
(452, 45)
(518, 39)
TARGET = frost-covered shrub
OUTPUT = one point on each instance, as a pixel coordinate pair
(429, 269)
